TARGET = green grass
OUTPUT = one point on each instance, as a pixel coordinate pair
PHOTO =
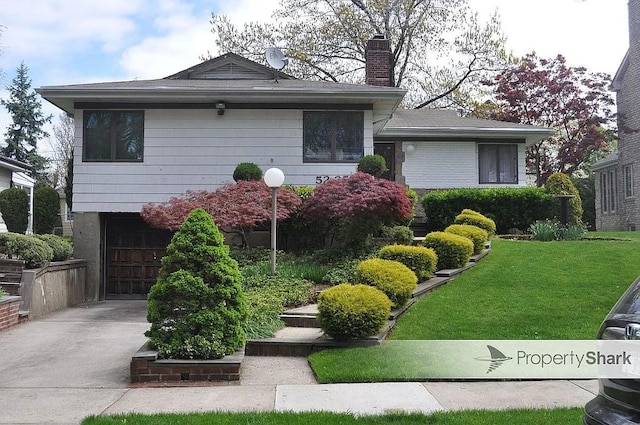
(474, 417)
(522, 290)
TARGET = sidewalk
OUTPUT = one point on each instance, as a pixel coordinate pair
(75, 363)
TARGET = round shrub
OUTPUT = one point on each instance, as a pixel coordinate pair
(46, 210)
(477, 220)
(34, 252)
(62, 249)
(397, 234)
(14, 206)
(477, 235)
(373, 164)
(395, 279)
(561, 184)
(421, 260)
(453, 251)
(352, 311)
(247, 171)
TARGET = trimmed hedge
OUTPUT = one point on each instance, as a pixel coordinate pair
(453, 251)
(46, 210)
(247, 171)
(421, 260)
(395, 279)
(375, 165)
(62, 249)
(14, 206)
(33, 251)
(477, 220)
(509, 207)
(475, 234)
(397, 234)
(352, 311)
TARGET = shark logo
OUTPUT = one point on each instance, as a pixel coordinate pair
(496, 358)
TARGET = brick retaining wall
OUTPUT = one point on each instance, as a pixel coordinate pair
(9, 306)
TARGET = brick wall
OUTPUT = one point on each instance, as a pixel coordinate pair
(9, 307)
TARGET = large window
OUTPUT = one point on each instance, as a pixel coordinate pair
(113, 135)
(608, 190)
(333, 136)
(498, 163)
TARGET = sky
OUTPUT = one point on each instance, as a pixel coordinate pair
(83, 41)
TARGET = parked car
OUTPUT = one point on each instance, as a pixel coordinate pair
(618, 400)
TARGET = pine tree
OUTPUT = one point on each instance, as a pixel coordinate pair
(26, 128)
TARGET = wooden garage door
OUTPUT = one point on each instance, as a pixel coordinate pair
(133, 254)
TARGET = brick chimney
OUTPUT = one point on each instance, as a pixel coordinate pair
(378, 70)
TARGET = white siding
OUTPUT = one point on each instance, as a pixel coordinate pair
(198, 150)
(448, 165)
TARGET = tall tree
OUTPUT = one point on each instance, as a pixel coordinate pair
(439, 48)
(64, 136)
(549, 93)
(26, 128)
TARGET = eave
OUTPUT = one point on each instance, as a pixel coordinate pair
(529, 136)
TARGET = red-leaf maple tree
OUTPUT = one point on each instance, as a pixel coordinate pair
(237, 207)
(367, 202)
(549, 93)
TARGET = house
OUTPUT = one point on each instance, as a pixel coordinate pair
(617, 176)
(15, 174)
(66, 216)
(147, 141)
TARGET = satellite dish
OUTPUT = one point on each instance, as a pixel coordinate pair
(276, 58)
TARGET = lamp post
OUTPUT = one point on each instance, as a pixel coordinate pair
(273, 177)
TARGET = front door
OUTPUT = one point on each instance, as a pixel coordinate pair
(387, 150)
(133, 254)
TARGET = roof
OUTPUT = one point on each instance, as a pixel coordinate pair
(13, 164)
(231, 79)
(607, 161)
(616, 83)
(442, 123)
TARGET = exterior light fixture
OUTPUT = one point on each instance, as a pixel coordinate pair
(273, 177)
(221, 106)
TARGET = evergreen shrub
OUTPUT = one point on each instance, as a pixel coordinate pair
(402, 235)
(247, 171)
(62, 249)
(478, 220)
(46, 210)
(348, 312)
(395, 279)
(375, 165)
(453, 251)
(477, 235)
(14, 206)
(34, 252)
(561, 184)
(421, 260)
(197, 308)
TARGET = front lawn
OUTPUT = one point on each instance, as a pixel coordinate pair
(522, 290)
(475, 417)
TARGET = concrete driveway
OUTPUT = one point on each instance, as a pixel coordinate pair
(71, 364)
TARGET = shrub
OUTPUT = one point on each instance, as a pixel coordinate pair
(247, 171)
(34, 252)
(544, 230)
(572, 232)
(62, 249)
(395, 279)
(478, 220)
(453, 251)
(197, 308)
(561, 184)
(290, 291)
(46, 210)
(509, 207)
(352, 311)
(14, 206)
(402, 235)
(421, 260)
(477, 235)
(342, 272)
(375, 165)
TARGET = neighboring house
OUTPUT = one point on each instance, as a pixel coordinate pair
(147, 141)
(66, 216)
(618, 175)
(14, 174)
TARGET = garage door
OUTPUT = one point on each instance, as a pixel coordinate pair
(133, 254)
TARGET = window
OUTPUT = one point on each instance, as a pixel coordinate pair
(333, 136)
(498, 163)
(113, 136)
(608, 190)
(628, 181)
(613, 188)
